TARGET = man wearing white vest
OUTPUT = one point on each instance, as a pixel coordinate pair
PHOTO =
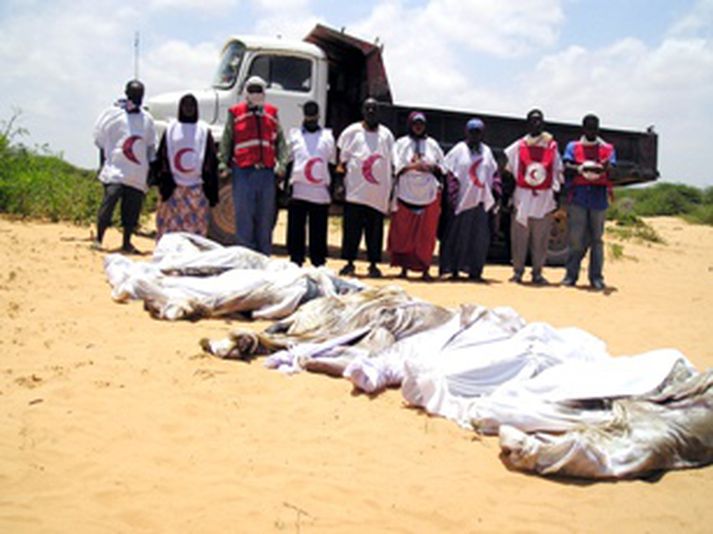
(535, 162)
(126, 138)
(365, 152)
(313, 153)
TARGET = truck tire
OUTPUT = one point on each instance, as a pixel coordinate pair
(558, 247)
(221, 226)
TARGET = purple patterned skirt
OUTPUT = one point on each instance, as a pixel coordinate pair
(186, 211)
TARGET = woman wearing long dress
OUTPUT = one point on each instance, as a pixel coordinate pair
(418, 162)
(473, 183)
(186, 171)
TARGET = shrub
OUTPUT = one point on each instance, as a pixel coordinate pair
(37, 183)
(639, 231)
(701, 215)
(616, 251)
(691, 203)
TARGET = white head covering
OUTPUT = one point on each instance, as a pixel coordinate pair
(255, 99)
(255, 80)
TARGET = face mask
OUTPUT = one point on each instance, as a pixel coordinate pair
(256, 99)
(535, 126)
(370, 113)
(590, 134)
(134, 96)
(133, 102)
(371, 121)
(417, 132)
(311, 126)
(473, 138)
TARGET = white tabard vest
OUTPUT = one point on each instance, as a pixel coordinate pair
(475, 172)
(368, 156)
(185, 144)
(127, 140)
(311, 152)
(417, 187)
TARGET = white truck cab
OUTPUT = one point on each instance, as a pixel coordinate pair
(295, 72)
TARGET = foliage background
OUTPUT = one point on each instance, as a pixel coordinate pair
(36, 183)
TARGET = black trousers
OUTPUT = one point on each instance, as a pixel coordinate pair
(359, 219)
(299, 214)
(131, 201)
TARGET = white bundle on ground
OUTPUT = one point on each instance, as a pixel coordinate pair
(374, 372)
(326, 334)
(644, 435)
(191, 277)
(561, 404)
(538, 379)
(189, 254)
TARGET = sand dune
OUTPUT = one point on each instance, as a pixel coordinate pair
(114, 422)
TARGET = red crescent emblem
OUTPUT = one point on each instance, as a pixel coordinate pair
(473, 173)
(309, 170)
(535, 174)
(367, 168)
(128, 148)
(178, 163)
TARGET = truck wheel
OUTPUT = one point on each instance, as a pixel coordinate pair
(221, 227)
(558, 247)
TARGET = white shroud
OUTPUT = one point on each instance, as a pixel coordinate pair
(190, 276)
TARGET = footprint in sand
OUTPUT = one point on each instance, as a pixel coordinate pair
(31, 381)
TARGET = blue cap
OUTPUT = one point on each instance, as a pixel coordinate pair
(474, 124)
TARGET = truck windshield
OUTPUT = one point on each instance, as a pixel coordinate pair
(229, 66)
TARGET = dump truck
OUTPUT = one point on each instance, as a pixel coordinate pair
(339, 71)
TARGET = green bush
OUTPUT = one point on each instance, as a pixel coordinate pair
(689, 202)
(701, 215)
(637, 230)
(47, 187)
(707, 196)
(35, 183)
(616, 251)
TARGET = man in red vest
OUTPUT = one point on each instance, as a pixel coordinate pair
(253, 147)
(588, 161)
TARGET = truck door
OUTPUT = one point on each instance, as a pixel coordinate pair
(291, 81)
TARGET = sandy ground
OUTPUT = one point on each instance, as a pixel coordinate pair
(114, 422)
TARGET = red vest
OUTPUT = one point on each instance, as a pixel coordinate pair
(254, 136)
(531, 176)
(599, 153)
